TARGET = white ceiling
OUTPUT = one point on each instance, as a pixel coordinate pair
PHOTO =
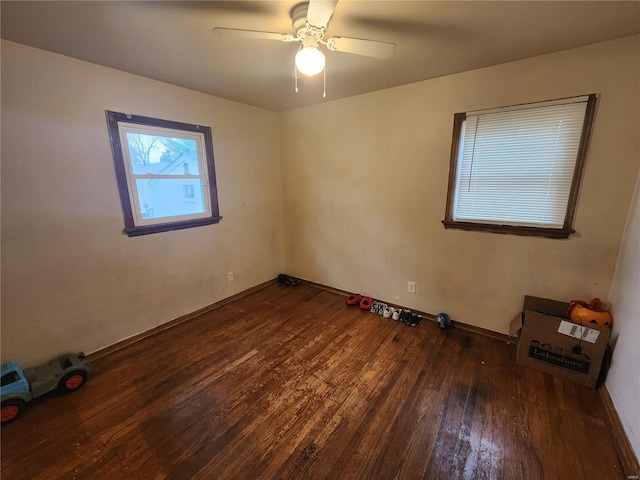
(173, 41)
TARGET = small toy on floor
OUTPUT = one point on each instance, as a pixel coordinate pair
(65, 373)
(443, 321)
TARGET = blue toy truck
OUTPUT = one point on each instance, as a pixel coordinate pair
(66, 373)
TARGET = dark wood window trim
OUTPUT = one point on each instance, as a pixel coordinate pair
(562, 233)
(131, 229)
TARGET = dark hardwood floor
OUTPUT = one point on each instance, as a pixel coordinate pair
(291, 383)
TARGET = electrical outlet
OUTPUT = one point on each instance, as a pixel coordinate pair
(230, 276)
(411, 287)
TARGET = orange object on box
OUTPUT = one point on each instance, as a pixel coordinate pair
(585, 316)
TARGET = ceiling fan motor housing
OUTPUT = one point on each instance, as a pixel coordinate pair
(299, 16)
(302, 27)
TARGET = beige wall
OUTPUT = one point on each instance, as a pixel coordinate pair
(70, 279)
(365, 179)
(623, 382)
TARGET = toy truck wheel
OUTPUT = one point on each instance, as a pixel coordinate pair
(11, 409)
(72, 381)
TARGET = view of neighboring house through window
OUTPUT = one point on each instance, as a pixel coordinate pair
(165, 173)
(158, 166)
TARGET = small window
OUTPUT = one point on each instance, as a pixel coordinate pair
(158, 165)
(9, 378)
(518, 169)
(189, 193)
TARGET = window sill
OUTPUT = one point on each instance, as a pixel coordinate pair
(166, 227)
(510, 229)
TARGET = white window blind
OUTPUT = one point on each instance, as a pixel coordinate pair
(516, 166)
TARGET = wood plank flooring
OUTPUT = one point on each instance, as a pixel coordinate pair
(291, 383)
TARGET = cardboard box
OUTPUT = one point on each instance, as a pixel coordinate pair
(554, 345)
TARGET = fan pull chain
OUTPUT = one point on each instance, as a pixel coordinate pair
(324, 82)
(295, 71)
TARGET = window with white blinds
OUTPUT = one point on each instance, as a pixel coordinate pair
(516, 166)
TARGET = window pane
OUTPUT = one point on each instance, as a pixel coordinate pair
(160, 155)
(159, 198)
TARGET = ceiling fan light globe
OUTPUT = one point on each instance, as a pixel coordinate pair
(310, 61)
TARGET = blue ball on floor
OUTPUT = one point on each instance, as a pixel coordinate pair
(443, 321)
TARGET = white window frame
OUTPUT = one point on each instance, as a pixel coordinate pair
(119, 125)
(124, 129)
(491, 219)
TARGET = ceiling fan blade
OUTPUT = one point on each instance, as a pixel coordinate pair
(360, 46)
(236, 32)
(319, 12)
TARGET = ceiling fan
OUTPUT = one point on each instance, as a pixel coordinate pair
(310, 20)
